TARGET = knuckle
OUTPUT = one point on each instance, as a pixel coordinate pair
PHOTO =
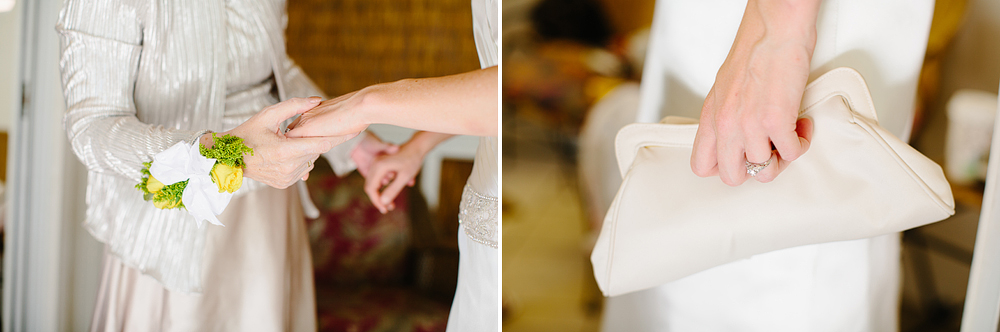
(774, 123)
(725, 126)
(699, 171)
(731, 178)
(700, 166)
(791, 154)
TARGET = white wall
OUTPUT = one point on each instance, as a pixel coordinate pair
(52, 265)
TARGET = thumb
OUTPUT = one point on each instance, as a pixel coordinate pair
(277, 113)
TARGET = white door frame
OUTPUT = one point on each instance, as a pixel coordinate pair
(51, 265)
(982, 297)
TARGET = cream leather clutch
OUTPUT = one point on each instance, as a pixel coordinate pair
(856, 181)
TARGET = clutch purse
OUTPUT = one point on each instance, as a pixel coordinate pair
(856, 181)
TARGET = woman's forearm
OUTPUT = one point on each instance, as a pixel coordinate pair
(790, 21)
(425, 141)
(462, 104)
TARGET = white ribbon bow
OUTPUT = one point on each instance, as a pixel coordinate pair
(201, 197)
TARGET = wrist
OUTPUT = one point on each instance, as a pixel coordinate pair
(425, 141)
(371, 103)
(787, 20)
(417, 148)
(206, 140)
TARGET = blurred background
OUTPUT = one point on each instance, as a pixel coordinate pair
(373, 272)
(570, 80)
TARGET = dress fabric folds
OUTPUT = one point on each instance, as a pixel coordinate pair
(840, 286)
(142, 75)
(476, 303)
(259, 277)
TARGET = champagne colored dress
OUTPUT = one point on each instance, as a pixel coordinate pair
(140, 76)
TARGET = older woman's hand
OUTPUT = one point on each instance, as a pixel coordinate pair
(277, 160)
(754, 103)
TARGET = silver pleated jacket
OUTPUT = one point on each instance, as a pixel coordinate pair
(138, 77)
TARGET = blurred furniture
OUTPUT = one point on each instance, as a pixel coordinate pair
(375, 272)
(971, 114)
(597, 169)
(945, 24)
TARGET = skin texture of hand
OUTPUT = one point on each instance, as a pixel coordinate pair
(461, 104)
(754, 102)
(390, 173)
(370, 148)
(333, 117)
(279, 161)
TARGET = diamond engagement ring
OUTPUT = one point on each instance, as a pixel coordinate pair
(754, 168)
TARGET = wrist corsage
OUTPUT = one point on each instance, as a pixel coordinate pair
(198, 179)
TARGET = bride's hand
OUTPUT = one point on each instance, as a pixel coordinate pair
(754, 102)
(334, 117)
(370, 148)
(277, 160)
(390, 173)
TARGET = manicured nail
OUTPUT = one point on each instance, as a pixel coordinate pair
(315, 100)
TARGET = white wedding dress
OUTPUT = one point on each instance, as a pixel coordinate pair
(476, 304)
(841, 286)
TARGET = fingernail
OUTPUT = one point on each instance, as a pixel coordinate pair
(385, 201)
(314, 100)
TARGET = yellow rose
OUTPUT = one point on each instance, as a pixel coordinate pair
(228, 178)
(166, 204)
(153, 185)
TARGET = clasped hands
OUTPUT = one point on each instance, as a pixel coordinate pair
(282, 158)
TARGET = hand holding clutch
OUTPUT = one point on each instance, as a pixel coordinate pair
(856, 181)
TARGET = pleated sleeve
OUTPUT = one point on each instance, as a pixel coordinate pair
(101, 44)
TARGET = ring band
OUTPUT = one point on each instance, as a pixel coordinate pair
(309, 164)
(754, 168)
